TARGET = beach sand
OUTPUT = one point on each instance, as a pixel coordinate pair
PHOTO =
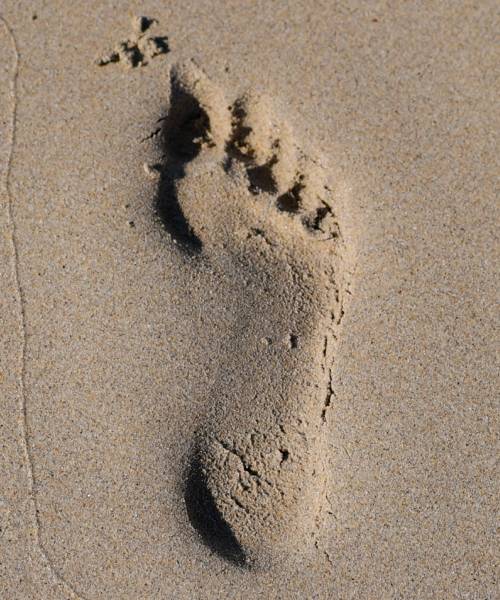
(248, 263)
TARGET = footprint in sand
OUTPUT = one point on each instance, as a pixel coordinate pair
(238, 193)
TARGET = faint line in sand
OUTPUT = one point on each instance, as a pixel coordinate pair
(22, 315)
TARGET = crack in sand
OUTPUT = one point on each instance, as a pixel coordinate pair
(246, 467)
(59, 578)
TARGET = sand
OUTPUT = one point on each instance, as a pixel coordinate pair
(248, 287)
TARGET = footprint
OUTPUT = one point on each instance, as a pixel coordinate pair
(241, 197)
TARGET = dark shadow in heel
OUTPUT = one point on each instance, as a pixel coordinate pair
(207, 520)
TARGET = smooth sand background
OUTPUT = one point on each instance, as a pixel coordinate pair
(118, 342)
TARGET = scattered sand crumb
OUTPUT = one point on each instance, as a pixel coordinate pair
(151, 170)
(140, 48)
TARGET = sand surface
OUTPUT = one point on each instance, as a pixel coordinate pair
(113, 340)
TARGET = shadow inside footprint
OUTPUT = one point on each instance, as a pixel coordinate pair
(170, 211)
(185, 130)
(207, 520)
